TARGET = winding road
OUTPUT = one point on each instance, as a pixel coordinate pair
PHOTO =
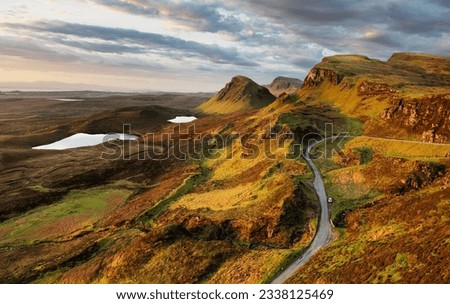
(324, 234)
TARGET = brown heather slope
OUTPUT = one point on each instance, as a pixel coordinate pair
(391, 197)
(400, 235)
(235, 213)
(171, 220)
(30, 178)
(240, 94)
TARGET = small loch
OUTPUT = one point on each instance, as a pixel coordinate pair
(84, 140)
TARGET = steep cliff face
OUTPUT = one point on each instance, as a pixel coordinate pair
(404, 96)
(318, 75)
(428, 116)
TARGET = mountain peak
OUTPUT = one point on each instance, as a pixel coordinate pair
(240, 78)
(283, 84)
(239, 94)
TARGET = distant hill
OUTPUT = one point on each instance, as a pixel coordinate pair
(284, 85)
(239, 94)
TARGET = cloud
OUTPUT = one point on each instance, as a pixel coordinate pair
(24, 49)
(419, 19)
(341, 23)
(327, 11)
(382, 38)
(409, 15)
(118, 40)
(200, 15)
(335, 25)
(216, 39)
(303, 62)
(106, 48)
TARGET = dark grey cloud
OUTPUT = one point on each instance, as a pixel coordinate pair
(142, 41)
(304, 62)
(325, 11)
(202, 15)
(384, 39)
(419, 19)
(416, 15)
(338, 25)
(445, 3)
(334, 23)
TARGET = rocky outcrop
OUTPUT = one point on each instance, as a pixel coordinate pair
(428, 117)
(367, 88)
(422, 175)
(317, 75)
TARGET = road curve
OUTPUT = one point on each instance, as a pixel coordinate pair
(323, 235)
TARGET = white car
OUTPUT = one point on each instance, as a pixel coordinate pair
(330, 200)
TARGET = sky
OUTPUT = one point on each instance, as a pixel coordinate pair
(193, 46)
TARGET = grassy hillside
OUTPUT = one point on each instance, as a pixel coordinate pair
(390, 185)
(404, 97)
(204, 220)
